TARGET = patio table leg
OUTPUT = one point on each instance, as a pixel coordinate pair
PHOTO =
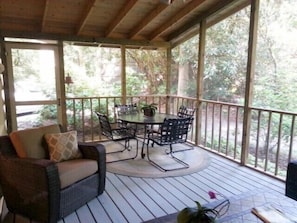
(143, 143)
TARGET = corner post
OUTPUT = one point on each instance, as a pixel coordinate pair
(254, 18)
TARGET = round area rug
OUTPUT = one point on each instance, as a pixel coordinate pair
(197, 158)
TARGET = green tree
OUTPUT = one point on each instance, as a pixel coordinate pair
(146, 69)
(184, 68)
(275, 77)
(225, 58)
(94, 70)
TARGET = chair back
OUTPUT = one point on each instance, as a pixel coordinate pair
(185, 112)
(175, 130)
(126, 109)
(106, 129)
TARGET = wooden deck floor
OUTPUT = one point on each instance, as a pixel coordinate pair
(134, 200)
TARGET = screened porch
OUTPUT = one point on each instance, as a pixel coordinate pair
(234, 61)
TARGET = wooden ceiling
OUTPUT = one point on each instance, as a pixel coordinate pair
(109, 21)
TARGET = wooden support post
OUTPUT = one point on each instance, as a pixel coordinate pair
(61, 107)
(250, 79)
(123, 74)
(201, 55)
(168, 80)
(7, 93)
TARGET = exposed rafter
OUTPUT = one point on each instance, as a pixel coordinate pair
(122, 13)
(86, 13)
(216, 13)
(129, 21)
(153, 14)
(176, 18)
(45, 12)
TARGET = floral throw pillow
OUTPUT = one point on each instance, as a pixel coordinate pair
(63, 146)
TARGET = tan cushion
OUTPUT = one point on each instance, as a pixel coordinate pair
(63, 146)
(30, 143)
(72, 171)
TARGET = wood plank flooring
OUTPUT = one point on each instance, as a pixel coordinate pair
(135, 200)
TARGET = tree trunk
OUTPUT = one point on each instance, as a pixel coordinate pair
(183, 79)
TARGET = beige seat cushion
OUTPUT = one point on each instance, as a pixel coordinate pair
(30, 143)
(75, 170)
(63, 146)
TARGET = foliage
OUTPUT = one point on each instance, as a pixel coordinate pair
(275, 77)
(200, 214)
(185, 55)
(225, 58)
(148, 67)
(94, 70)
(21, 64)
(149, 109)
(49, 112)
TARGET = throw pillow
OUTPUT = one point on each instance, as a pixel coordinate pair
(30, 143)
(63, 146)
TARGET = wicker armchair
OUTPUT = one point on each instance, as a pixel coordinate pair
(291, 180)
(33, 187)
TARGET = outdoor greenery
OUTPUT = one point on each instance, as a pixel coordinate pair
(146, 71)
(184, 68)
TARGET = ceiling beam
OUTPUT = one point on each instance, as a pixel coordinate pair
(182, 13)
(86, 13)
(195, 22)
(120, 16)
(45, 12)
(230, 11)
(92, 40)
(147, 19)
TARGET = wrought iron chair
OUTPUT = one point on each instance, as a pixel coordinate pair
(117, 134)
(124, 110)
(172, 131)
(185, 112)
(130, 109)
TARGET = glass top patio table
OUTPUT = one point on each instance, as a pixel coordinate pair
(140, 118)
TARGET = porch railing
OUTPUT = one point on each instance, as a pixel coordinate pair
(272, 133)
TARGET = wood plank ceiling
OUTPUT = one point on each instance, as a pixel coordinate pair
(118, 21)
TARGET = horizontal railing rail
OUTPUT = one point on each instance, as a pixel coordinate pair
(272, 133)
(81, 114)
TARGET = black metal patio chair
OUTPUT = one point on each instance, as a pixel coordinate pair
(117, 133)
(172, 131)
(128, 109)
(124, 109)
(185, 112)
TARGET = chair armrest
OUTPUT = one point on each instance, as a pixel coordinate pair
(28, 183)
(96, 152)
(93, 151)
